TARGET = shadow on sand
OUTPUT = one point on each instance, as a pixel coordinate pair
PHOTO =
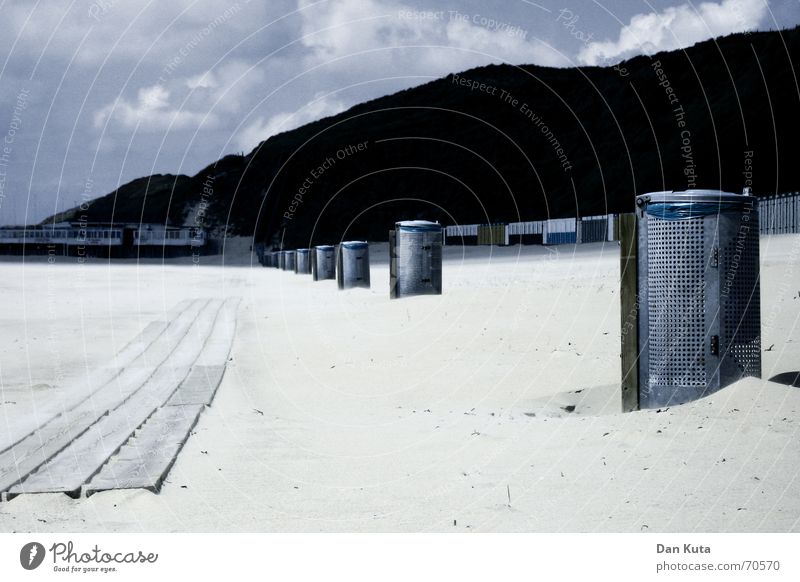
(788, 378)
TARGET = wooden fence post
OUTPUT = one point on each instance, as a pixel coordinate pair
(392, 266)
(629, 312)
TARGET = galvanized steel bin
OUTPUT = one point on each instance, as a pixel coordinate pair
(303, 261)
(282, 260)
(415, 259)
(353, 265)
(699, 294)
(289, 260)
(323, 262)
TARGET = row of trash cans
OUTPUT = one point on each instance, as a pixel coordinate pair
(695, 291)
(415, 259)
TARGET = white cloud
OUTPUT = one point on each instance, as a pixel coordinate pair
(151, 112)
(237, 83)
(261, 129)
(205, 80)
(676, 27)
(422, 42)
(352, 42)
(513, 47)
(195, 102)
(155, 97)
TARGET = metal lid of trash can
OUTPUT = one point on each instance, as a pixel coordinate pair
(355, 244)
(683, 205)
(303, 251)
(418, 226)
(324, 247)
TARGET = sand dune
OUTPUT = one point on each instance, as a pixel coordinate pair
(493, 407)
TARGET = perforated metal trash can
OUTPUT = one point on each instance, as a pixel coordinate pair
(353, 265)
(323, 263)
(415, 259)
(276, 259)
(699, 294)
(303, 261)
(282, 260)
(290, 260)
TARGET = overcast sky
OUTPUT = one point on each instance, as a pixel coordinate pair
(96, 93)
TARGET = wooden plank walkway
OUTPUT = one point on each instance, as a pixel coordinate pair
(144, 461)
(180, 367)
(199, 386)
(30, 452)
(75, 393)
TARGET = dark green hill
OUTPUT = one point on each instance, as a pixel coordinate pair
(158, 198)
(578, 141)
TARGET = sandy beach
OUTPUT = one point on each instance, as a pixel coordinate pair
(493, 407)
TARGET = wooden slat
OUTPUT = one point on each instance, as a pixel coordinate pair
(30, 453)
(81, 390)
(33, 451)
(146, 459)
(629, 311)
(123, 405)
(218, 345)
(72, 467)
(199, 386)
(392, 266)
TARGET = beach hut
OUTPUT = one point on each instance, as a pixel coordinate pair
(560, 231)
(415, 257)
(353, 265)
(323, 263)
(461, 234)
(525, 233)
(699, 320)
(492, 234)
(593, 229)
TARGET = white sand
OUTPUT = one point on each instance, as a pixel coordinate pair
(415, 414)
